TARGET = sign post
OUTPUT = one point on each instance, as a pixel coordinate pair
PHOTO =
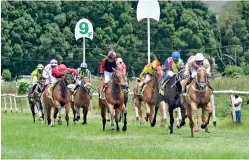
(83, 29)
(148, 9)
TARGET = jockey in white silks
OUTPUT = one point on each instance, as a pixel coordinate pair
(47, 72)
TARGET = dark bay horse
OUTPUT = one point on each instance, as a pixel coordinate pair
(172, 91)
(114, 100)
(149, 95)
(198, 97)
(81, 100)
(60, 97)
(35, 99)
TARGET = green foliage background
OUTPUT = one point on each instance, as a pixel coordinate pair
(36, 31)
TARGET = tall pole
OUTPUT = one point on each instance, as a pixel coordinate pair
(84, 50)
(148, 30)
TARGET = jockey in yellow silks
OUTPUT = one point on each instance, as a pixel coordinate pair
(146, 74)
(36, 75)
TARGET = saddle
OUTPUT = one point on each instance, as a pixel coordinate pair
(49, 92)
(161, 90)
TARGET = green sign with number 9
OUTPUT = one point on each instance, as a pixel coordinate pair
(84, 28)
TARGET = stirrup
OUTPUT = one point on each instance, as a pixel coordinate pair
(102, 94)
(161, 91)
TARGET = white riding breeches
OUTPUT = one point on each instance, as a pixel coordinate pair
(193, 72)
(107, 76)
(147, 78)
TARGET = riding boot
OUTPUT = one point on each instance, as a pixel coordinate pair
(102, 92)
(140, 89)
(77, 86)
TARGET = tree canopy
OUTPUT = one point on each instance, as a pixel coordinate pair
(34, 32)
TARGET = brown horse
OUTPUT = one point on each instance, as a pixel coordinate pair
(60, 97)
(114, 94)
(198, 97)
(82, 100)
(149, 94)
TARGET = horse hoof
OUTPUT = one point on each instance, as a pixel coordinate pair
(171, 132)
(203, 126)
(117, 129)
(153, 124)
(162, 126)
(108, 120)
(196, 130)
(124, 128)
(141, 123)
(112, 128)
(59, 122)
(136, 118)
(41, 119)
(83, 123)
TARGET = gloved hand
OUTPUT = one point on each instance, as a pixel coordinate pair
(101, 76)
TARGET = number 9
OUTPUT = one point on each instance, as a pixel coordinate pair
(84, 28)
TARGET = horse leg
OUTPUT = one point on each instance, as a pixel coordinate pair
(39, 107)
(125, 119)
(162, 124)
(103, 115)
(203, 118)
(154, 119)
(56, 110)
(147, 111)
(196, 128)
(116, 118)
(67, 108)
(171, 116)
(183, 114)
(111, 116)
(152, 113)
(210, 110)
(195, 110)
(77, 112)
(191, 123)
(48, 109)
(85, 111)
(32, 107)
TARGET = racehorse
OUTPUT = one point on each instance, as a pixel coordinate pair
(114, 100)
(198, 97)
(35, 100)
(172, 91)
(60, 97)
(81, 100)
(149, 94)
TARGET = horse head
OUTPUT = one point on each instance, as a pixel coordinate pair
(119, 78)
(201, 77)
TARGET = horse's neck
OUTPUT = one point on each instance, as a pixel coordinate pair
(114, 85)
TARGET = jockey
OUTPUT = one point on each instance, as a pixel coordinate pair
(47, 72)
(60, 71)
(106, 71)
(83, 72)
(146, 73)
(36, 75)
(193, 63)
(122, 67)
(173, 65)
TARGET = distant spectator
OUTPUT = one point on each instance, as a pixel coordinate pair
(237, 105)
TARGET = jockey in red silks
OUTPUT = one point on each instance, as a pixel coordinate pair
(106, 71)
(61, 70)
